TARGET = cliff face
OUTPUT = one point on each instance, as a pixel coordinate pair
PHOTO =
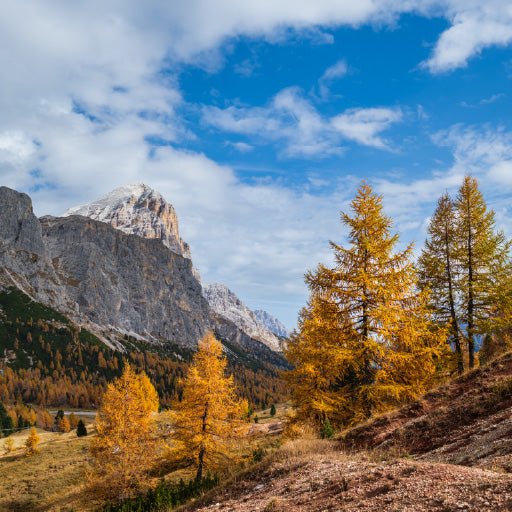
(226, 305)
(97, 274)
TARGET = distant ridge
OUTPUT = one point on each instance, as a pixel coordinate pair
(271, 323)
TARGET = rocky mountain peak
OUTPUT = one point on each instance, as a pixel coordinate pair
(137, 209)
(271, 323)
(226, 304)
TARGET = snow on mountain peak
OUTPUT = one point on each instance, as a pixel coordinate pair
(139, 210)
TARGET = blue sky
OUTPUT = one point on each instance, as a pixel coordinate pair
(258, 119)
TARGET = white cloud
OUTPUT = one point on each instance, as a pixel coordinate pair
(84, 83)
(242, 147)
(363, 125)
(291, 118)
(335, 71)
(475, 25)
(483, 152)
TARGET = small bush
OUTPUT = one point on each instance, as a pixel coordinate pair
(258, 454)
(327, 431)
(164, 496)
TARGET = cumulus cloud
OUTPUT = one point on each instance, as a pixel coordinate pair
(291, 118)
(363, 125)
(85, 85)
(475, 25)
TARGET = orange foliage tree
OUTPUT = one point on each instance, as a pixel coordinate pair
(124, 446)
(32, 442)
(210, 415)
(365, 341)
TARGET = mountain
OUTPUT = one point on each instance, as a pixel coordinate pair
(230, 310)
(137, 209)
(85, 269)
(271, 323)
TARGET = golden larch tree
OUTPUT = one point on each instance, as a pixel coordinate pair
(439, 271)
(124, 447)
(483, 255)
(31, 443)
(365, 341)
(64, 425)
(210, 415)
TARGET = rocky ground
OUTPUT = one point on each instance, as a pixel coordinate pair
(450, 450)
(326, 479)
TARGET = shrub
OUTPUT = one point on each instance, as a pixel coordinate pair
(327, 431)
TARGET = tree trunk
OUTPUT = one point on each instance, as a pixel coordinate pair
(200, 458)
(471, 341)
(453, 316)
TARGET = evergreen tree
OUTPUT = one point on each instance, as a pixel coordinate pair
(439, 271)
(365, 341)
(209, 415)
(81, 429)
(273, 410)
(483, 255)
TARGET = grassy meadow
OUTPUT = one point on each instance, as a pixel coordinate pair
(54, 479)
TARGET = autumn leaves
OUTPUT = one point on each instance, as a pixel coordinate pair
(203, 424)
(372, 336)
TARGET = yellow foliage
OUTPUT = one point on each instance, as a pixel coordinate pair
(210, 416)
(8, 445)
(64, 425)
(365, 341)
(125, 445)
(73, 420)
(32, 442)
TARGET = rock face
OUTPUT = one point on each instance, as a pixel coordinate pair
(99, 275)
(271, 323)
(226, 305)
(137, 209)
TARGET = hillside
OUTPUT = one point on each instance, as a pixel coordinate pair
(450, 450)
(49, 360)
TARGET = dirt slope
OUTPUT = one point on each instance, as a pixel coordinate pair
(322, 478)
(450, 450)
(468, 421)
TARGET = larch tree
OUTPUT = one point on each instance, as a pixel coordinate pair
(483, 255)
(439, 271)
(209, 415)
(124, 447)
(365, 341)
(31, 443)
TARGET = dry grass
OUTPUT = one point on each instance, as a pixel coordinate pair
(52, 479)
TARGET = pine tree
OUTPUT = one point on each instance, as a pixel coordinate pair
(124, 447)
(439, 271)
(209, 415)
(273, 410)
(483, 256)
(365, 341)
(81, 429)
(32, 442)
